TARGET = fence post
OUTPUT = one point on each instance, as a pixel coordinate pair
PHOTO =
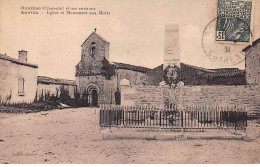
(236, 115)
(215, 116)
(144, 110)
(246, 119)
(109, 115)
(138, 115)
(103, 116)
(123, 115)
(116, 115)
(198, 118)
(160, 118)
(184, 118)
(100, 116)
(181, 118)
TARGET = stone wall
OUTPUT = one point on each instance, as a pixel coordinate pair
(9, 74)
(54, 90)
(135, 77)
(106, 88)
(247, 97)
(243, 96)
(252, 60)
(142, 95)
(92, 64)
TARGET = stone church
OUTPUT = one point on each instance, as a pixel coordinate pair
(98, 79)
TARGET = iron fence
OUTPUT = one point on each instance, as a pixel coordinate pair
(191, 117)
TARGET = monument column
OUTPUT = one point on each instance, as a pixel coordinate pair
(171, 46)
(171, 64)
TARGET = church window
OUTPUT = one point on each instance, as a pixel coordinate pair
(21, 86)
(92, 49)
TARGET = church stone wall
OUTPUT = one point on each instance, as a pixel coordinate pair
(91, 65)
(135, 77)
(107, 88)
(9, 75)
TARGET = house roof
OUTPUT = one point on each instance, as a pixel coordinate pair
(226, 73)
(253, 44)
(103, 39)
(48, 80)
(16, 61)
(218, 72)
(131, 67)
(198, 68)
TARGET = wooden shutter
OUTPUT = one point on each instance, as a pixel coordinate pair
(21, 86)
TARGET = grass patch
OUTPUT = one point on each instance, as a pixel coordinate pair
(29, 107)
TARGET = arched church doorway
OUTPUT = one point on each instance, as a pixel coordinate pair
(92, 96)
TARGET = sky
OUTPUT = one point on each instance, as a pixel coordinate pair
(134, 28)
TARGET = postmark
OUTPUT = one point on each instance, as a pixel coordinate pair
(224, 54)
(234, 21)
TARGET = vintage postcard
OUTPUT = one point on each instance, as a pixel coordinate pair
(129, 82)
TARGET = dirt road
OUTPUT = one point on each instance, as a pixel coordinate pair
(73, 136)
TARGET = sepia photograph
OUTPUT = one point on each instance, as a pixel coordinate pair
(129, 82)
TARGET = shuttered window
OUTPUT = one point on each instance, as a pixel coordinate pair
(21, 86)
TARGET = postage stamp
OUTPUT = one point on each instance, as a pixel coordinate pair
(234, 19)
(227, 53)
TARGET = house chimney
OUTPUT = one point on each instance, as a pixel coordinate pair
(22, 56)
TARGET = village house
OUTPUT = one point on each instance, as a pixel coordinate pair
(49, 87)
(18, 79)
(252, 63)
(20, 83)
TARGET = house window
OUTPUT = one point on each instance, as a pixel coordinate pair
(21, 86)
(92, 49)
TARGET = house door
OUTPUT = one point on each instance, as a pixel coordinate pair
(92, 97)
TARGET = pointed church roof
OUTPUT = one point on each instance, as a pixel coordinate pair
(94, 33)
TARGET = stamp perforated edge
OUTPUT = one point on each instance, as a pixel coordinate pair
(251, 27)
